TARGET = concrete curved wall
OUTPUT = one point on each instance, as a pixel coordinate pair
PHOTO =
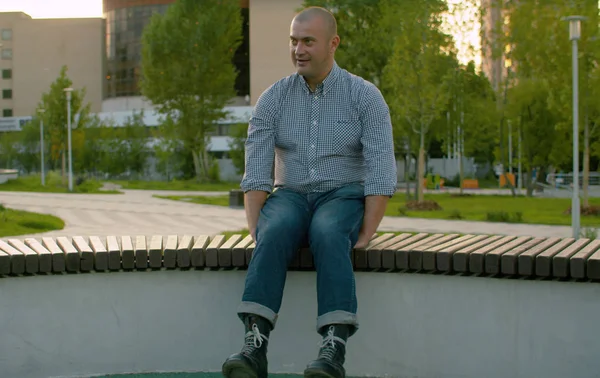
(412, 325)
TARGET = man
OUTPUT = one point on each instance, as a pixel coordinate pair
(328, 134)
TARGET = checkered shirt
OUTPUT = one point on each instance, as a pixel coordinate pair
(339, 134)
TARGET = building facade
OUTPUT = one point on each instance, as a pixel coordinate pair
(32, 53)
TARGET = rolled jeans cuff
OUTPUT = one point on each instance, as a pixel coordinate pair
(338, 317)
(257, 309)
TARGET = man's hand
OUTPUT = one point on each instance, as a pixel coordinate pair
(374, 211)
(362, 242)
(254, 202)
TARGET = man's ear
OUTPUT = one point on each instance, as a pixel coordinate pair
(335, 42)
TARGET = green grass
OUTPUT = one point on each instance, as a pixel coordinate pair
(549, 211)
(17, 222)
(33, 183)
(177, 185)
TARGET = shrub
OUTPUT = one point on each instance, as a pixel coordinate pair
(423, 206)
(503, 216)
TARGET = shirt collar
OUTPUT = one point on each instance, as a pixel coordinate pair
(327, 84)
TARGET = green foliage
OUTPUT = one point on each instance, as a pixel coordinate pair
(54, 102)
(188, 72)
(237, 147)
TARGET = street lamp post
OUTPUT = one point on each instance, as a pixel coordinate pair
(41, 111)
(68, 92)
(574, 36)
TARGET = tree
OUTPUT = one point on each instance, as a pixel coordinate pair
(54, 102)
(472, 115)
(187, 70)
(418, 75)
(540, 49)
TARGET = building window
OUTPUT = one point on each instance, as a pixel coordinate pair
(7, 94)
(7, 74)
(6, 34)
(7, 113)
(7, 54)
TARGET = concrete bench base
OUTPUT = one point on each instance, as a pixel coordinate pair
(412, 325)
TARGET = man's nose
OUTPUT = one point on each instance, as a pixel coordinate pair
(299, 49)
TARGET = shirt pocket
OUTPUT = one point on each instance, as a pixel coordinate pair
(346, 137)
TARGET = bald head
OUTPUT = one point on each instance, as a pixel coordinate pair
(326, 16)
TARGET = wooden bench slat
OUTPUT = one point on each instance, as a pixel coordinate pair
(198, 253)
(17, 258)
(212, 251)
(388, 254)
(32, 260)
(439, 258)
(58, 256)
(238, 253)
(155, 252)
(526, 260)
(361, 255)
(509, 259)
(461, 258)
(489, 261)
(85, 253)
(100, 253)
(44, 256)
(593, 266)
(114, 251)
(72, 257)
(402, 253)
(141, 252)
(307, 260)
(170, 252)
(4, 263)
(415, 256)
(374, 257)
(184, 251)
(543, 261)
(224, 253)
(561, 266)
(579, 260)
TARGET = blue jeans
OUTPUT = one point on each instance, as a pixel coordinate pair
(330, 222)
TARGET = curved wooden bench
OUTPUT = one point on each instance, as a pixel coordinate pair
(453, 254)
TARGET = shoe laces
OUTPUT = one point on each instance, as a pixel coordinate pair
(254, 339)
(328, 346)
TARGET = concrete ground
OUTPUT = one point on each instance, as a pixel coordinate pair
(137, 212)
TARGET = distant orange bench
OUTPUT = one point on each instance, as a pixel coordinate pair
(470, 184)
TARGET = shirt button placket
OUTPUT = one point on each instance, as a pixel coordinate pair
(314, 130)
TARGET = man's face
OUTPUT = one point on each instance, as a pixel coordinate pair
(311, 47)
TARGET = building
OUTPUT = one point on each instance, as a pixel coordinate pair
(262, 58)
(104, 55)
(493, 63)
(32, 53)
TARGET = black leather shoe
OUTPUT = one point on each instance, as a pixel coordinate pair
(251, 362)
(332, 354)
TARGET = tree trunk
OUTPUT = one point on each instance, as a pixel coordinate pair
(586, 161)
(407, 175)
(197, 166)
(421, 170)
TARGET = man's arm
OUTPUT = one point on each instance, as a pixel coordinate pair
(257, 182)
(378, 150)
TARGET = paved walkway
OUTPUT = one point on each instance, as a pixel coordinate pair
(137, 212)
